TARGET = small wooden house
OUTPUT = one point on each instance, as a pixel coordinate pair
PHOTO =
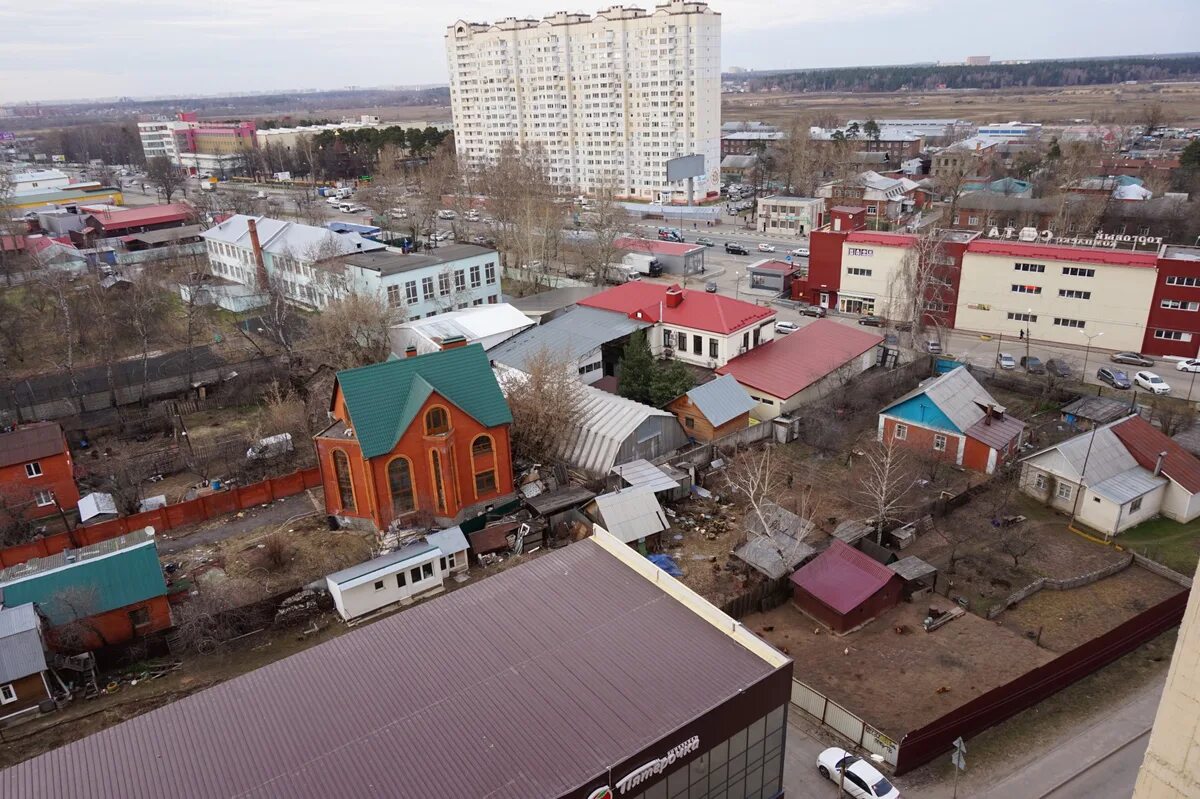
(714, 409)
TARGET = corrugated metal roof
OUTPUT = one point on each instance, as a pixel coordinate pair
(96, 504)
(842, 577)
(449, 541)
(699, 310)
(1097, 409)
(641, 473)
(606, 420)
(789, 364)
(1128, 485)
(82, 582)
(30, 442)
(165, 234)
(140, 217)
(355, 574)
(1146, 442)
(776, 545)
(571, 335)
(957, 394)
(525, 685)
(997, 435)
(721, 400)
(912, 568)
(21, 652)
(472, 324)
(631, 514)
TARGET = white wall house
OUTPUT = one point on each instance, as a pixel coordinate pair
(413, 571)
(158, 138)
(489, 325)
(449, 278)
(790, 216)
(1116, 476)
(609, 98)
(39, 181)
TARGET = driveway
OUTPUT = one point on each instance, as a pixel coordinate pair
(228, 526)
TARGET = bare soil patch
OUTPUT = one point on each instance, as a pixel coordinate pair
(938, 671)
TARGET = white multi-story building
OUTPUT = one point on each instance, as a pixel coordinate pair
(610, 98)
(158, 137)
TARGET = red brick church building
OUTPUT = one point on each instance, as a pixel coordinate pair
(415, 437)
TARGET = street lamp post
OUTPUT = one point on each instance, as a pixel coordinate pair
(1087, 350)
(737, 285)
(1028, 317)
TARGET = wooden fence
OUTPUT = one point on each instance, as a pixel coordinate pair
(169, 517)
(759, 598)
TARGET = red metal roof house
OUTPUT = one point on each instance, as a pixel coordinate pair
(843, 588)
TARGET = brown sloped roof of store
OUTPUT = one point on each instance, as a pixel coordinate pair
(525, 685)
(30, 442)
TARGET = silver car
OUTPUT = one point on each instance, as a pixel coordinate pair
(1006, 361)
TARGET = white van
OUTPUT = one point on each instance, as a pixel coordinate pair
(445, 213)
(270, 447)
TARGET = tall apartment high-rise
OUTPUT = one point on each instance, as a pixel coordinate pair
(610, 98)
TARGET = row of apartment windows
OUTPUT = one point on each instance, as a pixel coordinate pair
(1073, 271)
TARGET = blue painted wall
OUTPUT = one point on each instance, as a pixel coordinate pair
(920, 410)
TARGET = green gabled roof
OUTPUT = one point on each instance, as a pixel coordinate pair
(106, 576)
(383, 398)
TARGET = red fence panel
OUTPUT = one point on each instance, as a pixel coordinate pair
(920, 746)
(168, 517)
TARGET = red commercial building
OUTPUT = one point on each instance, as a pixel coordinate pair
(37, 476)
(1173, 324)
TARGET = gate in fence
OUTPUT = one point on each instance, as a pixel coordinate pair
(845, 723)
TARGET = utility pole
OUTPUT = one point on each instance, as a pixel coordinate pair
(1087, 350)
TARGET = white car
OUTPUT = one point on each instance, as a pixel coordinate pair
(766, 248)
(786, 327)
(858, 777)
(446, 214)
(800, 252)
(1190, 365)
(1006, 361)
(1151, 382)
(333, 200)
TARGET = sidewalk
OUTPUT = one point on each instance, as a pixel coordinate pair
(1041, 775)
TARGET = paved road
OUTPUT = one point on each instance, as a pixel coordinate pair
(1114, 776)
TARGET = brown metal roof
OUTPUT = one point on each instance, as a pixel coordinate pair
(30, 442)
(842, 577)
(522, 686)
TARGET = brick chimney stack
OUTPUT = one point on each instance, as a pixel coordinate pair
(674, 296)
(453, 342)
(410, 351)
(260, 268)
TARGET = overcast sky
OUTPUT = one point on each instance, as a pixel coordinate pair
(57, 49)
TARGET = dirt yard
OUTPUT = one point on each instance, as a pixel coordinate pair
(1070, 618)
(702, 536)
(939, 671)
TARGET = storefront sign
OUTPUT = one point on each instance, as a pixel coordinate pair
(862, 252)
(655, 767)
(601, 793)
(1109, 240)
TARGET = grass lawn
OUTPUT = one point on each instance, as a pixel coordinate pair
(1170, 543)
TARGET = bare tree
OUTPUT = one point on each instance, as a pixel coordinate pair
(352, 331)
(884, 484)
(921, 289)
(604, 221)
(79, 605)
(1153, 116)
(546, 401)
(1172, 415)
(165, 176)
(386, 188)
(1016, 541)
(758, 479)
(528, 208)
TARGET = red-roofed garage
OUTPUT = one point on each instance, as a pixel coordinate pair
(677, 258)
(843, 588)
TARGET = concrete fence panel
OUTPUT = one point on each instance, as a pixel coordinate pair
(844, 721)
(876, 742)
(808, 700)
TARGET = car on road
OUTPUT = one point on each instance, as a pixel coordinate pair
(733, 248)
(446, 213)
(1006, 361)
(332, 200)
(706, 241)
(933, 347)
(1113, 377)
(812, 310)
(1033, 364)
(764, 247)
(871, 321)
(857, 777)
(262, 195)
(1058, 367)
(800, 252)
(398, 213)
(786, 327)
(1149, 381)
(1189, 365)
(710, 287)
(441, 235)
(1132, 359)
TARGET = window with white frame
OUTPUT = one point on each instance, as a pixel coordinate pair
(1022, 317)
(1078, 271)
(44, 498)
(1073, 294)
(1040, 482)
(857, 270)
(939, 442)
(1172, 335)
(1178, 280)
(7, 694)
(1075, 323)
(901, 432)
(33, 469)
(1136, 505)
(1064, 491)
(379, 585)
(1020, 267)
(1022, 289)
(476, 280)
(1179, 305)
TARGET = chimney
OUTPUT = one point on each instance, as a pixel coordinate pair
(453, 342)
(410, 351)
(260, 269)
(674, 296)
(987, 419)
(1158, 465)
(837, 223)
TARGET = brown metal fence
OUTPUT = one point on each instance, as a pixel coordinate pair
(922, 745)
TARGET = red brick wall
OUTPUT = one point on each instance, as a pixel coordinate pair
(920, 439)
(58, 475)
(1160, 318)
(113, 626)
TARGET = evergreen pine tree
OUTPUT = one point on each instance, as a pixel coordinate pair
(637, 369)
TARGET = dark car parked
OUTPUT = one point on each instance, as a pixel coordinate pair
(1033, 365)
(1058, 368)
(871, 321)
(812, 310)
(1114, 377)
(1132, 359)
(733, 248)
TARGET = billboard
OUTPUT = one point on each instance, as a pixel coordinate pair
(684, 167)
